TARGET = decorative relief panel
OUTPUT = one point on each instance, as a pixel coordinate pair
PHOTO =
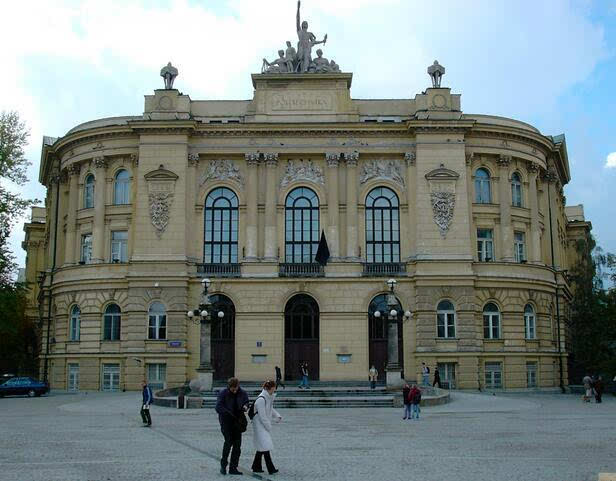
(222, 169)
(442, 184)
(161, 190)
(302, 170)
(301, 101)
(382, 169)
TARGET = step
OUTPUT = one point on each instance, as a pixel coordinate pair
(288, 403)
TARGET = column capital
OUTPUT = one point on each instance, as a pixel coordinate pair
(503, 161)
(333, 159)
(252, 158)
(410, 157)
(470, 157)
(352, 158)
(549, 176)
(193, 158)
(532, 167)
(73, 170)
(271, 159)
(64, 174)
(100, 162)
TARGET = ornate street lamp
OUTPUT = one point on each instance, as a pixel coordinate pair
(203, 315)
(393, 368)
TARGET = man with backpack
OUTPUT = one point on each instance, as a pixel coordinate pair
(231, 404)
(425, 373)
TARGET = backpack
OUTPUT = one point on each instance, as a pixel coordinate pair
(427, 370)
(251, 410)
(418, 397)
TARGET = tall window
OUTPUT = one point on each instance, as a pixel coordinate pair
(491, 322)
(382, 226)
(75, 323)
(301, 226)
(445, 320)
(119, 246)
(157, 325)
(88, 195)
(86, 248)
(518, 246)
(157, 376)
(220, 237)
(493, 375)
(529, 322)
(485, 245)
(516, 190)
(111, 377)
(121, 192)
(483, 193)
(531, 374)
(112, 320)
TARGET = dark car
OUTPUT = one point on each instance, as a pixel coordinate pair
(23, 385)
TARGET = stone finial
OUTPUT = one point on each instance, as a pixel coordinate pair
(169, 73)
(436, 72)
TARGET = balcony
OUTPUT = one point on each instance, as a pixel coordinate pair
(219, 270)
(301, 270)
(388, 269)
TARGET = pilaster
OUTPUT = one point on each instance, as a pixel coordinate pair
(271, 234)
(333, 161)
(352, 159)
(73, 197)
(252, 241)
(505, 208)
(98, 229)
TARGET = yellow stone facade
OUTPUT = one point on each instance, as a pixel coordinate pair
(416, 147)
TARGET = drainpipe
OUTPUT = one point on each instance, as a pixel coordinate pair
(551, 177)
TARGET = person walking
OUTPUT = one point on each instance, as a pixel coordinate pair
(262, 428)
(147, 399)
(437, 378)
(587, 381)
(231, 404)
(304, 373)
(406, 399)
(415, 400)
(425, 374)
(373, 375)
(279, 378)
(598, 389)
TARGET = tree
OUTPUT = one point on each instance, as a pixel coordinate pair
(13, 167)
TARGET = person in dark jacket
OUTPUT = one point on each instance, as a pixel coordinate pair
(437, 378)
(406, 399)
(598, 386)
(415, 400)
(145, 405)
(279, 378)
(231, 404)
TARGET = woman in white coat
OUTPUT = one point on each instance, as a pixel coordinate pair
(262, 428)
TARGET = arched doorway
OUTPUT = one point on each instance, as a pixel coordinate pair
(301, 336)
(223, 337)
(377, 335)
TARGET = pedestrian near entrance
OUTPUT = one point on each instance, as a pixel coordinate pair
(587, 381)
(145, 405)
(437, 378)
(406, 399)
(231, 404)
(415, 400)
(425, 374)
(598, 389)
(303, 368)
(279, 378)
(262, 428)
(373, 375)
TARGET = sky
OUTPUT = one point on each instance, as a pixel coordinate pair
(549, 63)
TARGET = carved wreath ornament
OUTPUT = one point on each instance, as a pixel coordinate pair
(443, 204)
(160, 202)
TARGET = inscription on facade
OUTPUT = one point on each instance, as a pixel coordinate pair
(301, 101)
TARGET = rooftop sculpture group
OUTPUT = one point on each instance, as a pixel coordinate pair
(300, 60)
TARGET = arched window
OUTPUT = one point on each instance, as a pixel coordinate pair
(301, 226)
(516, 190)
(491, 321)
(112, 320)
(157, 321)
(529, 322)
(221, 227)
(75, 324)
(483, 194)
(382, 226)
(88, 194)
(121, 192)
(301, 318)
(445, 320)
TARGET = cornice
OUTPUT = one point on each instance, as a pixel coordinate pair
(270, 130)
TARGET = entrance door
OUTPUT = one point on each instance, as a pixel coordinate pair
(377, 335)
(301, 333)
(73, 377)
(223, 337)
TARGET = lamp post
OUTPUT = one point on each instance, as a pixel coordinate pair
(393, 368)
(203, 315)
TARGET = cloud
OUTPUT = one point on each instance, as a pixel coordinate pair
(610, 161)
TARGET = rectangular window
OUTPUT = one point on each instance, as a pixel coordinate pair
(73, 377)
(111, 377)
(119, 246)
(86, 249)
(447, 371)
(445, 325)
(516, 194)
(518, 246)
(491, 326)
(157, 376)
(529, 325)
(485, 246)
(157, 328)
(531, 374)
(493, 375)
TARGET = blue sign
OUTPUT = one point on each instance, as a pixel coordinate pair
(174, 343)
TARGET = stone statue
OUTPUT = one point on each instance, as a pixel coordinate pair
(306, 40)
(290, 56)
(319, 64)
(334, 67)
(169, 73)
(277, 66)
(436, 71)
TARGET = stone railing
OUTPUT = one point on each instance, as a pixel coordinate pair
(301, 270)
(384, 269)
(219, 270)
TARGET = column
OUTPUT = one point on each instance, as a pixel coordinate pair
(98, 230)
(192, 222)
(271, 234)
(533, 201)
(333, 212)
(54, 184)
(73, 198)
(470, 197)
(409, 158)
(505, 208)
(551, 185)
(252, 241)
(351, 205)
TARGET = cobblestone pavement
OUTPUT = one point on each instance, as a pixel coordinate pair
(98, 437)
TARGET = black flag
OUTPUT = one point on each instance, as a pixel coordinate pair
(323, 251)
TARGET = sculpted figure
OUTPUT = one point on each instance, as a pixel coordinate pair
(319, 64)
(290, 56)
(277, 66)
(306, 40)
(169, 73)
(436, 72)
(333, 66)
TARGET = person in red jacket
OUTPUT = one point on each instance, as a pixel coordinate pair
(406, 399)
(415, 396)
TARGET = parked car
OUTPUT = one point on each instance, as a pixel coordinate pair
(23, 385)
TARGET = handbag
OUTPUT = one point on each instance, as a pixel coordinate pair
(241, 423)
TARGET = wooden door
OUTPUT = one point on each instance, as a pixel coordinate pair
(301, 337)
(223, 338)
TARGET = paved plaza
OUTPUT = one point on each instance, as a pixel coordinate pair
(98, 437)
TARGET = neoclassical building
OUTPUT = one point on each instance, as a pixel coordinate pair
(465, 212)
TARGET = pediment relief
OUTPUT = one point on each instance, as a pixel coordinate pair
(442, 174)
(161, 174)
